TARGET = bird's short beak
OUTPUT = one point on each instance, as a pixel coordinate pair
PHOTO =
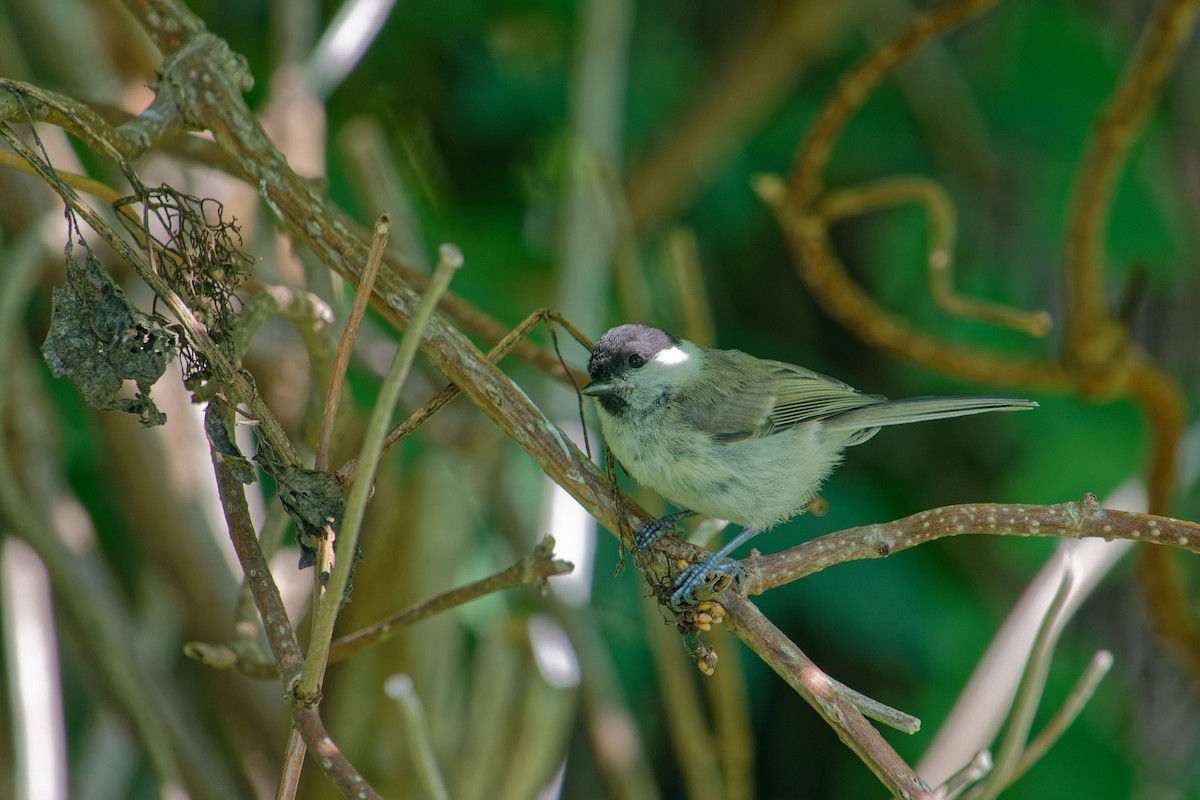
(599, 388)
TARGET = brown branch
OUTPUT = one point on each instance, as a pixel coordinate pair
(128, 141)
(1074, 520)
(857, 85)
(770, 644)
(327, 755)
(1094, 338)
(797, 206)
(1159, 573)
(266, 595)
(1097, 342)
(941, 227)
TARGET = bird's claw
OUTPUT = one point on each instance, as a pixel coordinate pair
(697, 575)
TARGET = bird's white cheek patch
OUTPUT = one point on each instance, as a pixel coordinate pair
(672, 356)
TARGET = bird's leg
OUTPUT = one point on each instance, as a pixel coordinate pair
(695, 575)
(655, 530)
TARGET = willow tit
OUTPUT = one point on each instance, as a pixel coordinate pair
(734, 437)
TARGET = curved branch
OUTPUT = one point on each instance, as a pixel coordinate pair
(1074, 520)
(1094, 337)
(797, 206)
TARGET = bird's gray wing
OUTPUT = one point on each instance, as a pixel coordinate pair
(758, 398)
(735, 408)
(803, 396)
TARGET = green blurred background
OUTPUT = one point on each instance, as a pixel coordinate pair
(500, 125)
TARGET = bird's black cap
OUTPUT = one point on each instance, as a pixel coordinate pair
(611, 357)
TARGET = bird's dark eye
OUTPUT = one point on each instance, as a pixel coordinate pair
(636, 361)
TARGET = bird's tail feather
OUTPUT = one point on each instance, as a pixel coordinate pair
(920, 409)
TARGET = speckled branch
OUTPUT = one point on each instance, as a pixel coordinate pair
(1075, 520)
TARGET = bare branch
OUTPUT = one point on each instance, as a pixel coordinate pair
(789, 662)
(533, 569)
(1075, 520)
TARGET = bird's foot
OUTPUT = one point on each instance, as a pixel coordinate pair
(657, 529)
(698, 575)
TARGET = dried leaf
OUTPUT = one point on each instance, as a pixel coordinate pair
(100, 340)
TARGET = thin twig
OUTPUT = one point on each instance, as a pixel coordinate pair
(267, 599)
(325, 556)
(439, 401)
(362, 296)
(126, 142)
(880, 712)
(533, 569)
(856, 86)
(240, 656)
(975, 771)
(293, 761)
(82, 183)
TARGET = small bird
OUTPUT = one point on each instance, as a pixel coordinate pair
(734, 437)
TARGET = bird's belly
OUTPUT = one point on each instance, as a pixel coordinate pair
(755, 483)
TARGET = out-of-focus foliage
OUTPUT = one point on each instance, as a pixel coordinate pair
(463, 111)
